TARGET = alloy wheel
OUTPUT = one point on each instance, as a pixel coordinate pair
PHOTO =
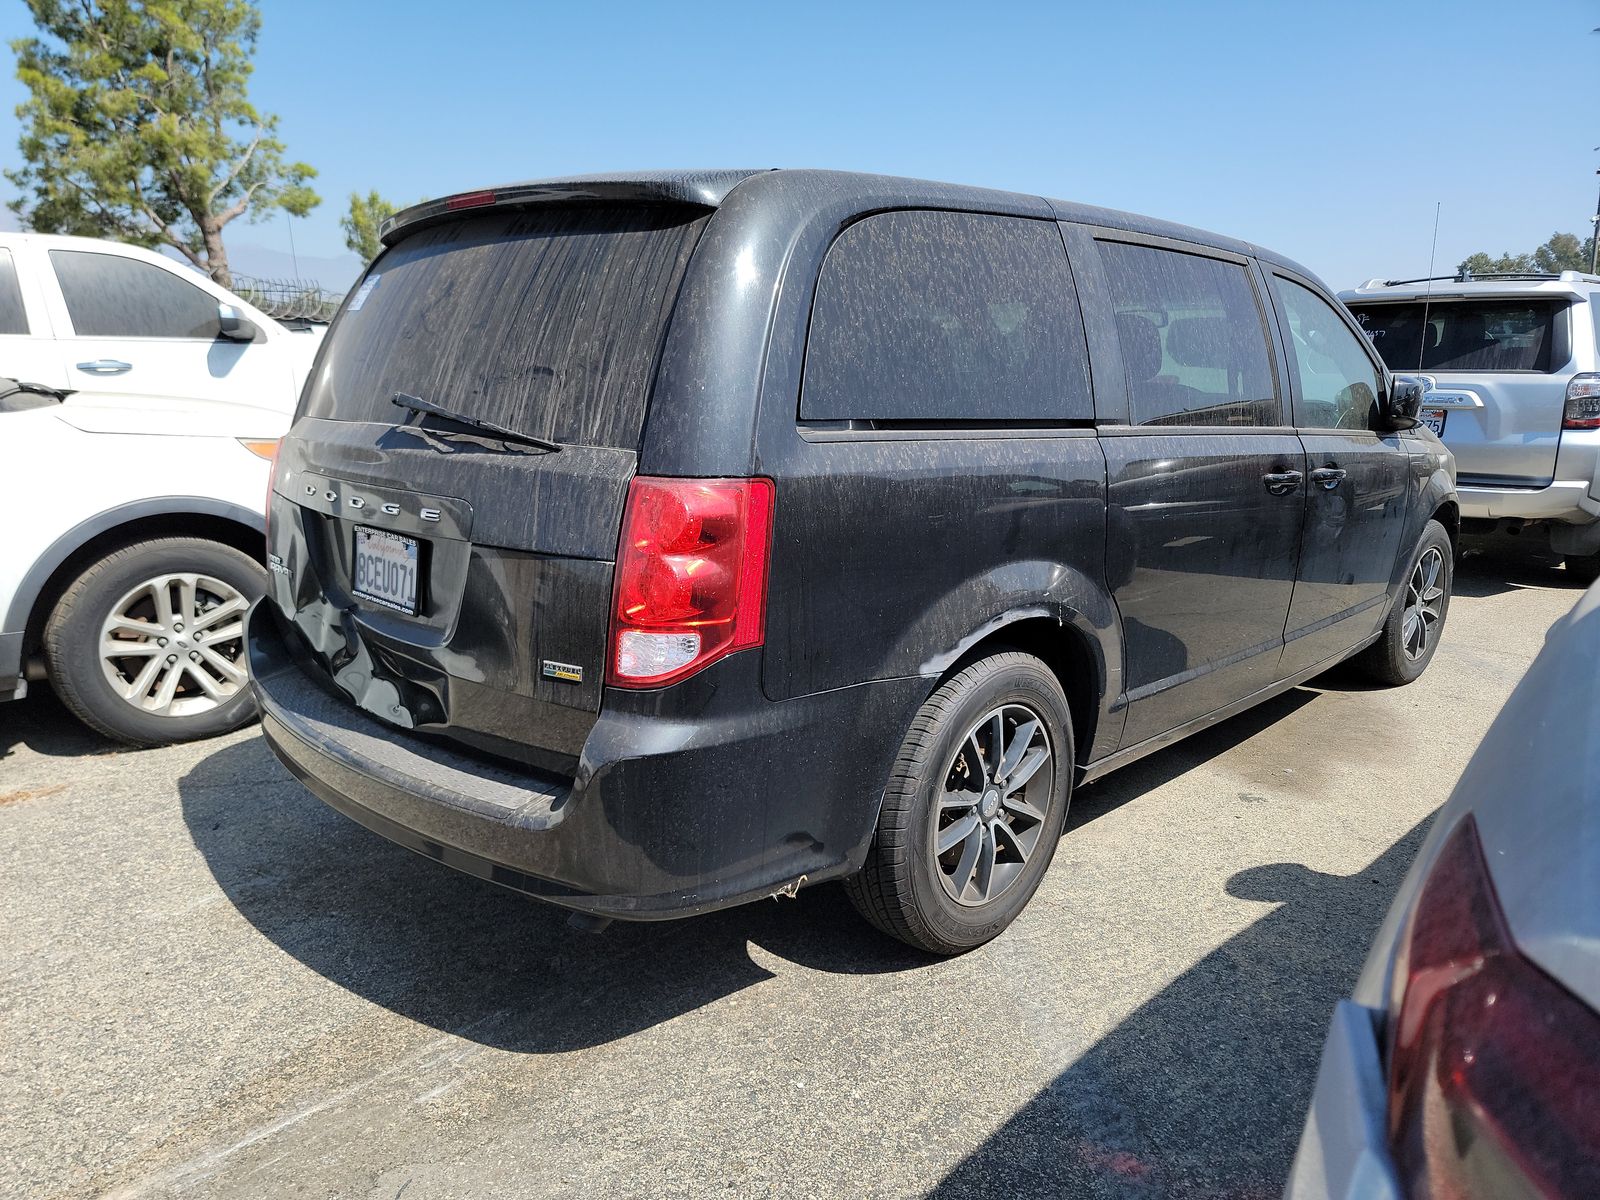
(1424, 604)
(174, 645)
(993, 804)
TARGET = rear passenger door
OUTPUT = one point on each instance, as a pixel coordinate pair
(135, 327)
(1357, 485)
(1205, 476)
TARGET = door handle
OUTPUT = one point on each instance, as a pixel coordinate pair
(1328, 477)
(1281, 483)
(105, 366)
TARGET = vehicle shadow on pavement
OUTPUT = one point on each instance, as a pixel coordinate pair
(478, 961)
(1202, 1090)
(468, 957)
(1490, 568)
(42, 723)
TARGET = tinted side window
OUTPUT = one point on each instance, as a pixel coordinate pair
(1338, 383)
(1192, 338)
(111, 296)
(13, 319)
(941, 316)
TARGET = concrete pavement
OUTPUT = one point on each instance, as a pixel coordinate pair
(215, 986)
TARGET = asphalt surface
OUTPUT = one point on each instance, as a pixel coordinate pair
(215, 986)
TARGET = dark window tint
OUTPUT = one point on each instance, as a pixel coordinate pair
(1192, 338)
(1456, 335)
(1338, 381)
(111, 296)
(546, 321)
(12, 317)
(937, 316)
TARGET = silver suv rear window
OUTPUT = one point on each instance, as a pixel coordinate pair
(1462, 335)
(545, 321)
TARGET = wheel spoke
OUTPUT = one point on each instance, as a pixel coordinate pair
(1022, 808)
(1027, 769)
(984, 874)
(962, 875)
(140, 687)
(955, 833)
(124, 624)
(1020, 741)
(1001, 829)
(227, 608)
(949, 800)
(226, 634)
(206, 680)
(161, 592)
(168, 689)
(231, 671)
(187, 611)
(128, 648)
(997, 742)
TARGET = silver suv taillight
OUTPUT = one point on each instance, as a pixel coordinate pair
(1583, 402)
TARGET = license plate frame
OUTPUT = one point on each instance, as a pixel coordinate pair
(392, 562)
(1434, 418)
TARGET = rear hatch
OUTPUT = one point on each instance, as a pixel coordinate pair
(1495, 370)
(453, 574)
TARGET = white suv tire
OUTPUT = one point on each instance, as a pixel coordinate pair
(147, 645)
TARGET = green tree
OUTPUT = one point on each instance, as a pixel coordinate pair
(1506, 264)
(361, 224)
(138, 126)
(1563, 252)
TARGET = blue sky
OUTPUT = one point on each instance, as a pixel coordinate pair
(1326, 132)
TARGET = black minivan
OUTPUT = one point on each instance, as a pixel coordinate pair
(653, 543)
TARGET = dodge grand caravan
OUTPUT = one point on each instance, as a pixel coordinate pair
(653, 543)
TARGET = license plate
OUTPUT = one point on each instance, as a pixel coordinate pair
(1433, 418)
(386, 569)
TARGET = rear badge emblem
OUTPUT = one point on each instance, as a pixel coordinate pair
(565, 672)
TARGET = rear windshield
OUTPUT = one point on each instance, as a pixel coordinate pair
(544, 321)
(1473, 335)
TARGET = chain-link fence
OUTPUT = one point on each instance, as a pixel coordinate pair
(288, 299)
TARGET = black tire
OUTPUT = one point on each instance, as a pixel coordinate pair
(901, 889)
(1389, 660)
(1584, 568)
(72, 639)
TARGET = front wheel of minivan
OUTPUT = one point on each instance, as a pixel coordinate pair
(1411, 634)
(973, 809)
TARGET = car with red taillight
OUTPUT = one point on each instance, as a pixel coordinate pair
(1467, 1063)
(658, 542)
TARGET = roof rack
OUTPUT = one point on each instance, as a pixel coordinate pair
(1498, 276)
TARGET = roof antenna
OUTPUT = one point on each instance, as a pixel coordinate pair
(1427, 295)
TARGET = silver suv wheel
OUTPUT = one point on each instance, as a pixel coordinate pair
(173, 646)
(1424, 603)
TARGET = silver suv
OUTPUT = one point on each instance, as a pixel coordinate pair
(1510, 368)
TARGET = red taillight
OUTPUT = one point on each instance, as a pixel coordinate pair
(1494, 1068)
(472, 199)
(691, 577)
(1582, 410)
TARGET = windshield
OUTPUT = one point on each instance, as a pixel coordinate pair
(1463, 336)
(544, 321)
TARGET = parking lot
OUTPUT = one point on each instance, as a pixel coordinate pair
(216, 986)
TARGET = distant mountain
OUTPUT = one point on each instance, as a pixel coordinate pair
(336, 273)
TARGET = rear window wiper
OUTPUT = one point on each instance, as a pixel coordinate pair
(417, 404)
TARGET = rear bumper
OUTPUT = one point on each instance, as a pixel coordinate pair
(1343, 1154)
(668, 815)
(1565, 500)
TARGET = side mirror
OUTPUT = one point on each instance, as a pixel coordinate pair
(1403, 404)
(234, 327)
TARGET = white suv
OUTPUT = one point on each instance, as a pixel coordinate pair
(134, 458)
(1510, 369)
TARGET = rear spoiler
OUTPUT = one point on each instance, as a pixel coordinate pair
(705, 189)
